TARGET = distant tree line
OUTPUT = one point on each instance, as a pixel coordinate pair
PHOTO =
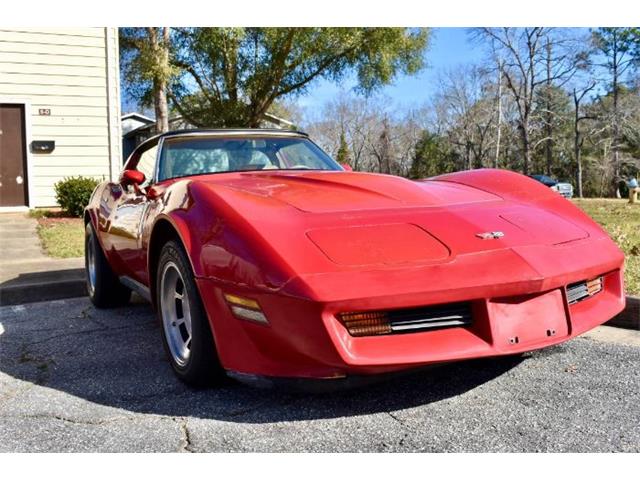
(546, 100)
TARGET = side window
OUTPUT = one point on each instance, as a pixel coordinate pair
(147, 164)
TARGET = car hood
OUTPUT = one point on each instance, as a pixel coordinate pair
(270, 228)
(360, 219)
(327, 192)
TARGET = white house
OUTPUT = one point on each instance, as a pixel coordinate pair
(59, 111)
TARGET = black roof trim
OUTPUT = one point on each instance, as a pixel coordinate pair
(248, 131)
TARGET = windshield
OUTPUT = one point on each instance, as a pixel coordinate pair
(186, 156)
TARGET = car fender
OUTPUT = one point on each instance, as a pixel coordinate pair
(180, 228)
(509, 185)
(220, 243)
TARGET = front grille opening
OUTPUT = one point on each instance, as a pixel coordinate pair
(576, 292)
(360, 324)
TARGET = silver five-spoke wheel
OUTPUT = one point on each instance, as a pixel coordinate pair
(176, 317)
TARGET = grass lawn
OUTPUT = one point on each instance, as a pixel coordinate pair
(62, 237)
(622, 221)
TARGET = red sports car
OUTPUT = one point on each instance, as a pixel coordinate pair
(268, 261)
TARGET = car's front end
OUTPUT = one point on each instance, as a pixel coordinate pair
(362, 279)
(281, 336)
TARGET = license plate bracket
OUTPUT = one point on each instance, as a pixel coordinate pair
(527, 320)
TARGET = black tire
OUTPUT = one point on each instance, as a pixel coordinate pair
(105, 291)
(202, 367)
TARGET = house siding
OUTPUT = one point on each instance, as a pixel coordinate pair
(75, 74)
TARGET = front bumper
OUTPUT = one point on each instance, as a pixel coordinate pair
(305, 339)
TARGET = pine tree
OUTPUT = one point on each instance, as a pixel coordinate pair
(343, 157)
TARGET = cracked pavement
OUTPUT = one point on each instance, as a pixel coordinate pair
(73, 378)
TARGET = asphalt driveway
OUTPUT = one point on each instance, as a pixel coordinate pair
(76, 379)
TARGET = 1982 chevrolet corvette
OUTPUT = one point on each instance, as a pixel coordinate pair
(266, 260)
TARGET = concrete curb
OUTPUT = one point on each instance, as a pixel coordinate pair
(629, 317)
(43, 286)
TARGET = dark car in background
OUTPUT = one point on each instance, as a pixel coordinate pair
(563, 188)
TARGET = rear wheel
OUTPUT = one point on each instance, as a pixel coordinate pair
(186, 334)
(103, 286)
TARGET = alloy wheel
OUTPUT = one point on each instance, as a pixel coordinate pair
(176, 317)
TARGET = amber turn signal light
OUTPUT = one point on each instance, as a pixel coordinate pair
(245, 308)
(366, 323)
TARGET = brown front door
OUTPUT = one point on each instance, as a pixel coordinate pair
(13, 156)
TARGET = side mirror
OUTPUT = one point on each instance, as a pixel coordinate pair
(132, 177)
(347, 167)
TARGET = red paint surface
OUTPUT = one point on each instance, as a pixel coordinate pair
(309, 245)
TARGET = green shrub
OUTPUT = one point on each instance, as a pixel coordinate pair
(74, 193)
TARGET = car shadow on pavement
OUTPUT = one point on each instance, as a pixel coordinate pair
(115, 359)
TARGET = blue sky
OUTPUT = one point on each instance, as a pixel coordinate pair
(450, 47)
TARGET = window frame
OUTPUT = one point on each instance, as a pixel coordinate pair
(134, 158)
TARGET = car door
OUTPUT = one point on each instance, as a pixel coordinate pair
(127, 217)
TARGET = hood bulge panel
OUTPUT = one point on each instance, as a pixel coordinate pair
(325, 192)
(378, 244)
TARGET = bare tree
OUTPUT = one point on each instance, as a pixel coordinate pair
(578, 138)
(496, 160)
(620, 48)
(466, 113)
(530, 108)
(358, 118)
(529, 62)
(379, 138)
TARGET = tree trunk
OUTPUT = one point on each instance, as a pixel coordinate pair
(577, 152)
(161, 54)
(616, 128)
(161, 108)
(526, 146)
(548, 114)
(497, 157)
(576, 142)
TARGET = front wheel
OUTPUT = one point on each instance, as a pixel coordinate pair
(103, 286)
(186, 334)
